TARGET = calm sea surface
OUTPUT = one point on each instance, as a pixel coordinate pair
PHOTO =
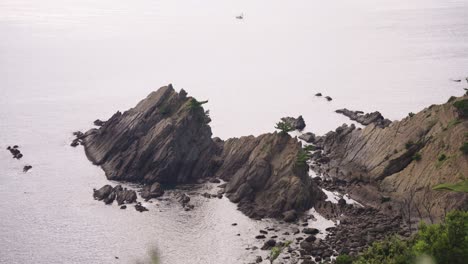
(64, 63)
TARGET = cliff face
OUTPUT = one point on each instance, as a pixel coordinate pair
(166, 138)
(408, 156)
(265, 177)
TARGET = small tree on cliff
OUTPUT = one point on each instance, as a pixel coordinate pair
(284, 127)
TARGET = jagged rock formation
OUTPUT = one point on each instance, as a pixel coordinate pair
(365, 119)
(408, 156)
(166, 139)
(264, 177)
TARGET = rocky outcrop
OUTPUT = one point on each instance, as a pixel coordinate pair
(166, 139)
(108, 194)
(264, 177)
(366, 119)
(408, 156)
(154, 190)
(296, 123)
(15, 152)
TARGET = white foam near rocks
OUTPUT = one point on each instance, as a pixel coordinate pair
(321, 223)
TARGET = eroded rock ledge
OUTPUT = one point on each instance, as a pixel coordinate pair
(405, 158)
(166, 139)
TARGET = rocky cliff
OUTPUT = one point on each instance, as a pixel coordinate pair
(407, 158)
(166, 138)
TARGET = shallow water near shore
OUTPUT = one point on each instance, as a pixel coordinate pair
(66, 63)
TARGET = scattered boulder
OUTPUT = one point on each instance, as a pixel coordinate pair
(290, 216)
(153, 191)
(308, 137)
(258, 259)
(268, 244)
(140, 208)
(103, 192)
(310, 231)
(318, 94)
(328, 98)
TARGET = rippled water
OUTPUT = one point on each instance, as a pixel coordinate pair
(64, 63)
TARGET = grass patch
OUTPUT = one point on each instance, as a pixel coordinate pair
(464, 148)
(455, 187)
(417, 156)
(442, 157)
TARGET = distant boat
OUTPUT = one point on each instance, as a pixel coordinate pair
(240, 17)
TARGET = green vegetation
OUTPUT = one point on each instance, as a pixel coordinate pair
(194, 104)
(344, 259)
(454, 187)
(164, 110)
(445, 243)
(409, 144)
(284, 127)
(276, 251)
(442, 157)
(309, 148)
(302, 158)
(417, 156)
(452, 124)
(464, 148)
(451, 99)
(462, 108)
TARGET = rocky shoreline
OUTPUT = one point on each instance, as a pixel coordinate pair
(166, 140)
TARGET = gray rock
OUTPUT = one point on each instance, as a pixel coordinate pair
(296, 123)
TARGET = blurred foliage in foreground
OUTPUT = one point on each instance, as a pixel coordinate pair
(445, 243)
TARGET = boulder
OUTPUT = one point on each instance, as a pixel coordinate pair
(308, 137)
(140, 208)
(268, 244)
(290, 216)
(153, 191)
(296, 123)
(103, 192)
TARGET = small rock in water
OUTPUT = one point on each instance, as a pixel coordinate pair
(140, 208)
(26, 168)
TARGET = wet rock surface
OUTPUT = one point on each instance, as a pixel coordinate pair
(109, 194)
